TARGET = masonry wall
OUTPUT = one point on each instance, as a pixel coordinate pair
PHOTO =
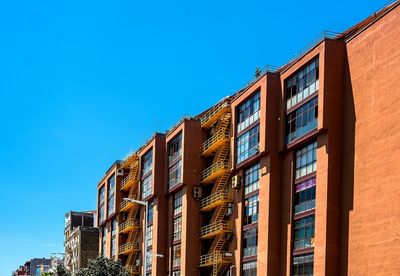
(89, 246)
(370, 222)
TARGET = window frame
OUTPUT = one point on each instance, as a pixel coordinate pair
(306, 160)
(250, 242)
(249, 111)
(302, 120)
(248, 144)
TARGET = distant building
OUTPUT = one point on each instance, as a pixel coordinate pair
(23, 270)
(37, 266)
(81, 239)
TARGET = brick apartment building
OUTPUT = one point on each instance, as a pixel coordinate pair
(81, 238)
(295, 174)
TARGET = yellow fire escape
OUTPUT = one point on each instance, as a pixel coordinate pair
(131, 225)
(217, 146)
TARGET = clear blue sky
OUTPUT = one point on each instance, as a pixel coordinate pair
(84, 82)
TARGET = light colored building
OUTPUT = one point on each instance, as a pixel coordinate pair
(81, 239)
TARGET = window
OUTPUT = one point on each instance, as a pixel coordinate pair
(177, 229)
(101, 204)
(248, 112)
(149, 261)
(303, 120)
(147, 186)
(111, 198)
(178, 203)
(113, 246)
(147, 162)
(104, 240)
(251, 179)
(147, 177)
(102, 195)
(114, 227)
(250, 242)
(303, 265)
(306, 160)
(175, 174)
(247, 144)
(304, 197)
(150, 214)
(304, 232)
(101, 214)
(149, 235)
(176, 273)
(303, 84)
(111, 207)
(250, 268)
(175, 148)
(251, 209)
(176, 255)
(111, 185)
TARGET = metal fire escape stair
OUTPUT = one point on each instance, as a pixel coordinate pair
(217, 174)
(131, 225)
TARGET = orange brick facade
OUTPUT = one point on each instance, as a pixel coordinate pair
(295, 174)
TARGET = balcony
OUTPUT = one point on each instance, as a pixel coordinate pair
(216, 257)
(215, 113)
(128, 248)
(129, 225)
(214, 229)
(126, 206)
(214, 142)
(214, 200)
(132, 269)
(128, 182)
(214, 171)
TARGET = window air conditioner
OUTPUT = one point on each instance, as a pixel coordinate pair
(236, 182)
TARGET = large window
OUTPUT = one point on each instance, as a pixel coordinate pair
(247, 144)
(304, 232)
(150, 214)
(175, 148)
(102, 195)
(101, 204)
(113, 237)
(306, 160)
(175, 161)
(303, 265)
(147, 177)
(251, 209)
(176, 273)
(111, 193)
(147, 186)
(250, 242)
(176, 255)
(175, 174)
(250, 269)
(147, 162)
(304, 197)
(178, 202)
(303, 120)
(248, 112)
(177, 229)
(251, 179)
(149, 235)
(303, 84)
(149, 262)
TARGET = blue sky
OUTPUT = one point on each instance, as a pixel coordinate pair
(84, 82)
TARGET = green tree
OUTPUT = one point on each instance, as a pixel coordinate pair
(46, 274)
(61, 271)
(103, 267)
